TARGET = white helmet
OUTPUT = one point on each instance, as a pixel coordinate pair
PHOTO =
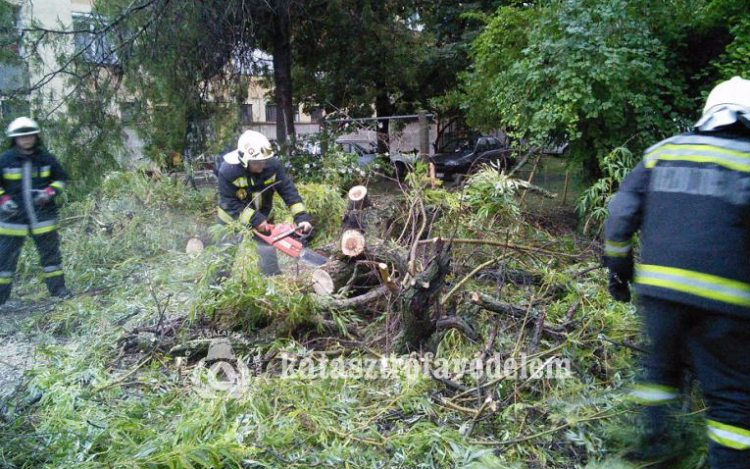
(253, 146)
(727, 103)
(22, 126)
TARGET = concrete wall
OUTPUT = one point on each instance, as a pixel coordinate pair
(52, 14)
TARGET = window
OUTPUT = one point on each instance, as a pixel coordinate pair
(10, 19)
(482, 145)
(270, 112)
(95, 46)
(246, 113)
(316, 114)
(12, 108)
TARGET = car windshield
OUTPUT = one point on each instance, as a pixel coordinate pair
(466, 144)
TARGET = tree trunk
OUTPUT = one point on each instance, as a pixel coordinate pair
(282, 75)
(383, 108)
(417, 302)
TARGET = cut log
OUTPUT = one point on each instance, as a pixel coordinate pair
(194, 246)
(353, 240)
(353, 243)
(323, 283)
(358, 199)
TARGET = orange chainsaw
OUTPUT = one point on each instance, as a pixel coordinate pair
(286, 238)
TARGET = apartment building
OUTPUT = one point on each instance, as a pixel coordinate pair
(257, 113)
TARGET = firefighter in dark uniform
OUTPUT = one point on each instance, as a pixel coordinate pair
(248, 178)
(690, 199)
(30, 179)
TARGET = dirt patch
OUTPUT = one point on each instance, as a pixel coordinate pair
(17, 347)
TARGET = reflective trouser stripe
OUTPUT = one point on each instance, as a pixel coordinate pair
(59, 185)
(52, 271)
(653, 394)
(695, 283)
(297, 208)
(43, 227)
(6, 278)
(14, 229)
(736, 160)
(224, 216)
(616, 248)
(2, 191)
(246, 215)
(728, 435)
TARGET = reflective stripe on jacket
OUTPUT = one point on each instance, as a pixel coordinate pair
(690, 199)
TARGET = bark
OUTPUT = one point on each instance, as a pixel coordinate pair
(383, 108)
(282, 74)
(418, 320)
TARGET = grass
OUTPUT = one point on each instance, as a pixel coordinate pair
(100, 405)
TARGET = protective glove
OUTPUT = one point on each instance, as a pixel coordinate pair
(7, 205)
(44, 197)
(263, 227)
(618, 288)
(305, 227)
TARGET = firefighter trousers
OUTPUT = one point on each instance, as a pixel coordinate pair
(715, 345)
(48, 246)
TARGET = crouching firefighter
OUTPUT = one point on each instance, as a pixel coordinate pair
(30, 179)
(248, 178)
(690, 199)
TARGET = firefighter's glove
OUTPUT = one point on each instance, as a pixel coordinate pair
(7, 206)
(263, 227)
(44, 197)
(305, 227)
(618, 288)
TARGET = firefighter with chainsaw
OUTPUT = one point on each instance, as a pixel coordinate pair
(248, 178)
(30, 180)
(690, 200)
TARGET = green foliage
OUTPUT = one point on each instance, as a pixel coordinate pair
(326, 205)
(589, 72)
(491, 195)
(383, 71)
(336, 168)
(593, 204)
(736, 58)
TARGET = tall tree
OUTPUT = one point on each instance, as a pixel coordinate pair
(359, 55)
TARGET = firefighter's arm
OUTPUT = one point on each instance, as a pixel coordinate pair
(58, 176)
(625, 217)
(286, 189)
(231, 207)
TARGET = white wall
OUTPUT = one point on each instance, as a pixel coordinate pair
(52, 14)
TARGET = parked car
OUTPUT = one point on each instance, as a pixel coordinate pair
(366, 150)
(469, 154)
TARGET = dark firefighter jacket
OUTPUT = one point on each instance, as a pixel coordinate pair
(690, 198)
(22, 175)
(248, 197)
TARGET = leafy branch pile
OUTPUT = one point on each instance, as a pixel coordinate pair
(120, 382)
